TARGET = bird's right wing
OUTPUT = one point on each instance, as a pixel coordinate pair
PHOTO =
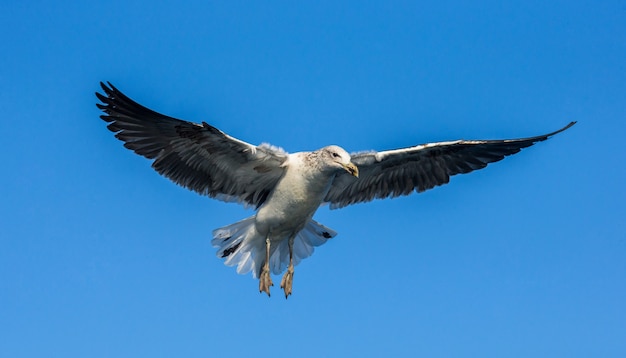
(199, 157)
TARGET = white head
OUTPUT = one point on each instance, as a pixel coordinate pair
(337, 157)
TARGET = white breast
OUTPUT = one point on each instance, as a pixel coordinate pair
(294, 200)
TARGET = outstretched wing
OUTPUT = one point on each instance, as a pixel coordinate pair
(399, 172)
(197, 156)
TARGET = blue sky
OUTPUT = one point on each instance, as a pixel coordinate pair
(102, 257)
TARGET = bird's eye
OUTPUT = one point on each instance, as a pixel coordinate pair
(336, 155)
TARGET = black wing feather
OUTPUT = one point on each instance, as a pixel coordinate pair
(402, 171)
(199, 157)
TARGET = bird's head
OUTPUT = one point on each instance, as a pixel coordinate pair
(337, 157)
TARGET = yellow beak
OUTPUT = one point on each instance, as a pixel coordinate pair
(352, 169)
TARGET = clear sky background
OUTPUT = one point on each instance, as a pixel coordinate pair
(102, 257)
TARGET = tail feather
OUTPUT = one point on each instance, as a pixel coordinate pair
(240, 244)
(236, 243)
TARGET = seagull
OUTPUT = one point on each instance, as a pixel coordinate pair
(286, 189)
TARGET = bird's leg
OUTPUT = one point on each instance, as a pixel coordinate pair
(265, 281)
(287, 280)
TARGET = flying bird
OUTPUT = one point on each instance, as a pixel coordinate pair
(286, 189)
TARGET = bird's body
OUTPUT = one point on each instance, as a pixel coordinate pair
(295, 198)
(287, 189)
(288, 209)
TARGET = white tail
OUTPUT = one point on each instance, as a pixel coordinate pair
(240, 244)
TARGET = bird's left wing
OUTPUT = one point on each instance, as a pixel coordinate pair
(199, 157)
(399, 172)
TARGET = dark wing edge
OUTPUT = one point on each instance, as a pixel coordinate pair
(401, 171)
(199, 157)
